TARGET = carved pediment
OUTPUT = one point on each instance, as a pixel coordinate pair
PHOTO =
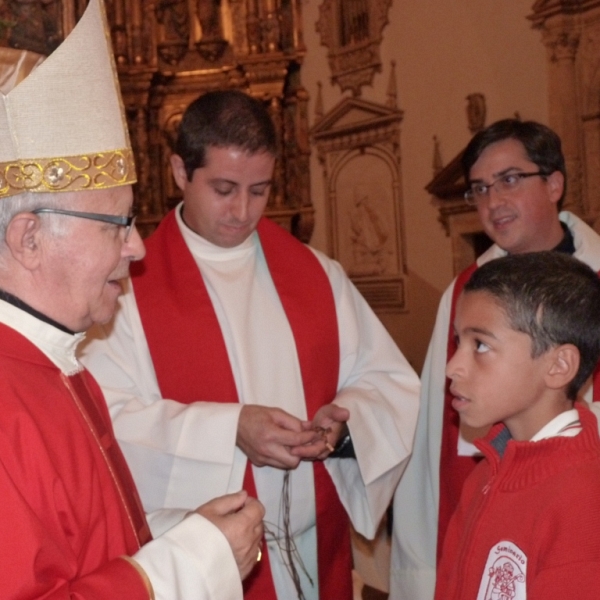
(352, 115)
(562, 5)
(544, 9)
(448, 187)
(449, 183)
(460, 220)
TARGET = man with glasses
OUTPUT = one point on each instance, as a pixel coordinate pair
(72, 522)
(515, 172)
(128, 223)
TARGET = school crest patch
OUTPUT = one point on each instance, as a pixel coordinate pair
(504, 574)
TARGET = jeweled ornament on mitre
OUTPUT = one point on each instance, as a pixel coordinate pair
(62, 122)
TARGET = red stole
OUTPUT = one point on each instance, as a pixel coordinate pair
(455, 469)
(168, 284)
(85, 393)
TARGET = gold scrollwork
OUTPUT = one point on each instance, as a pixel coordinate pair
(86, 172)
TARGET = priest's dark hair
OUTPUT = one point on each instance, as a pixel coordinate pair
(542, 146)
(227, 118)
(550, 296)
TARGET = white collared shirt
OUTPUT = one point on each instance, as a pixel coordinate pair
(59, 346)
(564, 425)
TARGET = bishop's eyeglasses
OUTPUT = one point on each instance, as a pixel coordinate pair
(127, 222)
(504, 184)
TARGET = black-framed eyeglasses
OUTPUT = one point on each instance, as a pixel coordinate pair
(127, 222)
(504, 184)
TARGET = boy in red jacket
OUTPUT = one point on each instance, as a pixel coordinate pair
(528, 523)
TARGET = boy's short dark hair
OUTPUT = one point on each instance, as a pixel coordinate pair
(542, 145)
(552, 297)
(223, 119)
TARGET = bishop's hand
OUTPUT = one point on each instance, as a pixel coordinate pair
(240, 519)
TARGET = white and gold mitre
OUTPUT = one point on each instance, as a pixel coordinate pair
(62, 127)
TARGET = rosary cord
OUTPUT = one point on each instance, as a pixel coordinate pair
(287, 546)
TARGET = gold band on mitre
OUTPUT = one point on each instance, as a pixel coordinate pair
(51, 139)
(72, 173)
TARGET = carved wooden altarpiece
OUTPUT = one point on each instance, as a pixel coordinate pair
(170, 51)
(358, 144)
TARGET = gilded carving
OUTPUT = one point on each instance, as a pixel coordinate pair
(211, 44)
(173, 16)
(238, 25)
(95, 171)
(168, 52)
(352, 31)
(30, 25)
(209, 15)
(254, 29)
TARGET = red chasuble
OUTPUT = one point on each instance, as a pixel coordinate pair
(455, 469)
(69, 505)
(168, 282)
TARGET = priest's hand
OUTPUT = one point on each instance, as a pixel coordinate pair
(330, 422)
(266, 435)
(240, 519)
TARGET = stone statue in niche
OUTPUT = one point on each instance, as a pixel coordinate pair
(30, 25)
(174, 33)
(211, 45)
(209, 15)
(173, 16)
(476, 112)
(271, 32)
(368, 235)
(358, 144)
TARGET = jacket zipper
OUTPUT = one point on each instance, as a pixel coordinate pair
(495, 467)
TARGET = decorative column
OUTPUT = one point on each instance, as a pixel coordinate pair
(565, 111)
(560, 24)
(253, 26)
(136, 32)
(119, 32)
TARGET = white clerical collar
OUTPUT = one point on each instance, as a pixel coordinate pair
(200, 246)
(59, 346)
(564, 425)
